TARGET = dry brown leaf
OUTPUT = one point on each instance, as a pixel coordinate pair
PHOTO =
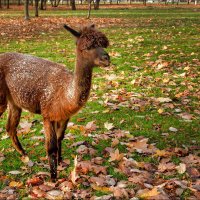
(140, 146)
(115, 142)
(119, 193)
(162, 167)
(38, 193)
(34, 181)
(98, 181)
(116, 156)
(54, 194)
(25, 127)
(91, 126)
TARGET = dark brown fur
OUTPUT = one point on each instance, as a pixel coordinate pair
(47, 88)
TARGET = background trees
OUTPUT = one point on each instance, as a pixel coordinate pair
(73, 4)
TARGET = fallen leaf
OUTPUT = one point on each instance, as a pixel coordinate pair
(25, 127)
(34, 181)
(5, 136)
(98, 188)
(181, 168)
(99, 181)
(108, 126)
(15, 184)
(115, 142)
(54, 194)
(162, 167)
(150, 193)
(172, 129)
(14, 172)
(163, 100)
(91, 126)
(162, 153)
(116, 156)
(74, 175)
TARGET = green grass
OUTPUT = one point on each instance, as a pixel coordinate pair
(144, 31)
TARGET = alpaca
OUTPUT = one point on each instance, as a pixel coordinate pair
(47, 88)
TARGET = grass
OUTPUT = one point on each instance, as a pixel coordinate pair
(146, 36)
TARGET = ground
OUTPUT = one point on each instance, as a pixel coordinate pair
(138, 136)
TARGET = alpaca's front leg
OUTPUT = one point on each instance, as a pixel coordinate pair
(51, 147)
(60, 128)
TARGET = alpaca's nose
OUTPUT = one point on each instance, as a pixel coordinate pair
(106, 57)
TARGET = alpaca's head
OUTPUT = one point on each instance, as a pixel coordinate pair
(91, 44)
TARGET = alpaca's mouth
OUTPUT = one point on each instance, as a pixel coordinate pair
(104, 63)
(105, 60)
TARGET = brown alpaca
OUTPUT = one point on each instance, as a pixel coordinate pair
(49, 89)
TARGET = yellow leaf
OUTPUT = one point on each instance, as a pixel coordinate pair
(151, 193)
(15, 184)
(160, 111)
(102, 189)
(161, 153)
(166, 80)
(74, 175)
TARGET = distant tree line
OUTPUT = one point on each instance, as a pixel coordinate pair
(42, 4)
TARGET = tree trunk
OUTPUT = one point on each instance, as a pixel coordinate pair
(73, 5)
(42, 5)
(145, 2)
(26, 10)
(188, 2)
(36, 8)
(96, 4)
(19, 2)
(0, 4)
(89, 8)
(7, 4)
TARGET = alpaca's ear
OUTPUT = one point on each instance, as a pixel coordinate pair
(72, 31)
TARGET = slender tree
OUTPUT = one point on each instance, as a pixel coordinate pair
(8, 4)
(43, 4)
(73, 5)
(26, 10)
(89, 8)
(0, 4)
(96, 4)
(36, 8)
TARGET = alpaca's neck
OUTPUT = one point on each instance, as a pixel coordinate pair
(81, 84)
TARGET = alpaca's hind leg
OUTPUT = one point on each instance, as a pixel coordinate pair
(11, 127)
(3, 103)
(60, 128)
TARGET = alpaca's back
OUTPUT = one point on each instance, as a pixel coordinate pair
(31, 81)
